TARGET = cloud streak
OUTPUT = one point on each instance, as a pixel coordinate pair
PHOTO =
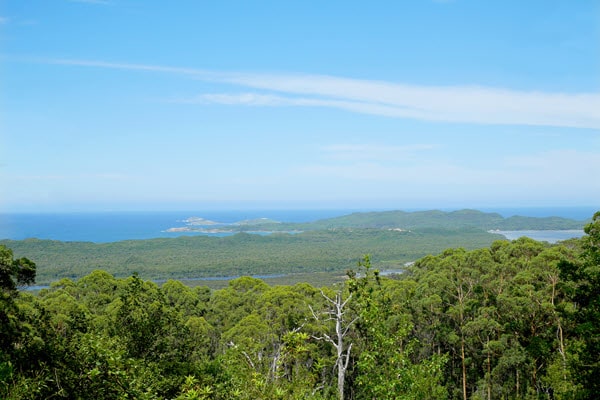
(373, 152)
(509, 172)
(459, 104)
(474, 104)
(102, 2)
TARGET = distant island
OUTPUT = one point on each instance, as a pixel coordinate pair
(197, 221)
(316, 251)
(394, 220)
(199, 225)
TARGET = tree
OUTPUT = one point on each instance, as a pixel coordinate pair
(13, 274)
(454, 276)
(385, 368)
(582, 284)
(337, 312)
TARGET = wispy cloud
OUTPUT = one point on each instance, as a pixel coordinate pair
(127, 66)
(475, 104)
(103, 2)
(107, 176)
(561, 166)
(374, 152)
(465, 104)
(3, 20)
(422, 174)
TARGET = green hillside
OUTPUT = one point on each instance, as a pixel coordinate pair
(431, 219)
(187, 257)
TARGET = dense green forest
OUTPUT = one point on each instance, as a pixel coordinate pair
(439, 219)
(317, 252)
(511, 320)
(400, 220)
(188, 257)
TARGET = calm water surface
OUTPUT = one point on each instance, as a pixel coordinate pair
(115, 226)
(112, 227)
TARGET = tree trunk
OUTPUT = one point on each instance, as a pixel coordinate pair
(489, 373)
(342, 359)
(340, 350)
(518, 396)
(336, 312)
(464, 366)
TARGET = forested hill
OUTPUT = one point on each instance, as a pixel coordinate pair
(514, 320)
(441, 219)
(190, 257)
(331, 246)
(399, 220)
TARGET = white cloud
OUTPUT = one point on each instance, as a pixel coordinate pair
(422, 174)
(565, 166)
(247, 99)
(91, 1)
(466, 104)
(127, 66)
(374, 152)
(107, 176)
(473, 104)
(553, 172)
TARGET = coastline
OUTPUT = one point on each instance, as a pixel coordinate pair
(542, 235)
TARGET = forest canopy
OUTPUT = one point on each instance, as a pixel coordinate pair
(328, 247)
(512, 320)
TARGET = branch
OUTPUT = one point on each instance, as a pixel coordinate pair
(350, 325)
(249, 360)
(347, 300)
(326, 338)
(317, 388)
(316, 317)
(347, 357)
(325, 296)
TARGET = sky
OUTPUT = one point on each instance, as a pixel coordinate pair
(110, 105)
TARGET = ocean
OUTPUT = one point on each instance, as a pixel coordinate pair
(115, 226)
(550, 236)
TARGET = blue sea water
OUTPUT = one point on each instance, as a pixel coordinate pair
(550, 236)
(116, 226)
(576, 213)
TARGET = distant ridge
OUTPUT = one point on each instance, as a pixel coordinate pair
(393, 238)
(441, 219)
(397, 219)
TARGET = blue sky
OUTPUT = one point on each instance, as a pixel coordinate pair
(153, 105)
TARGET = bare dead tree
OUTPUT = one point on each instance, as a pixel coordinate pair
(337, 312)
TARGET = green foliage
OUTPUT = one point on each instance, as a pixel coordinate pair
(14, 328)
(139, 317)
(582, 286)
(14, 272)
(436, 219)
(331, 251)
(384, 367)
(515, 320)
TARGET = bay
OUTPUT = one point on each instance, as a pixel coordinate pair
(550, 236)
(116, 226)
(102, 227)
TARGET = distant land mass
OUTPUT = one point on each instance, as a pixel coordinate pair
(201, 225)
(200, 221)
(257, 221)
(452, 220)
(397, 220)
(330, 246)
